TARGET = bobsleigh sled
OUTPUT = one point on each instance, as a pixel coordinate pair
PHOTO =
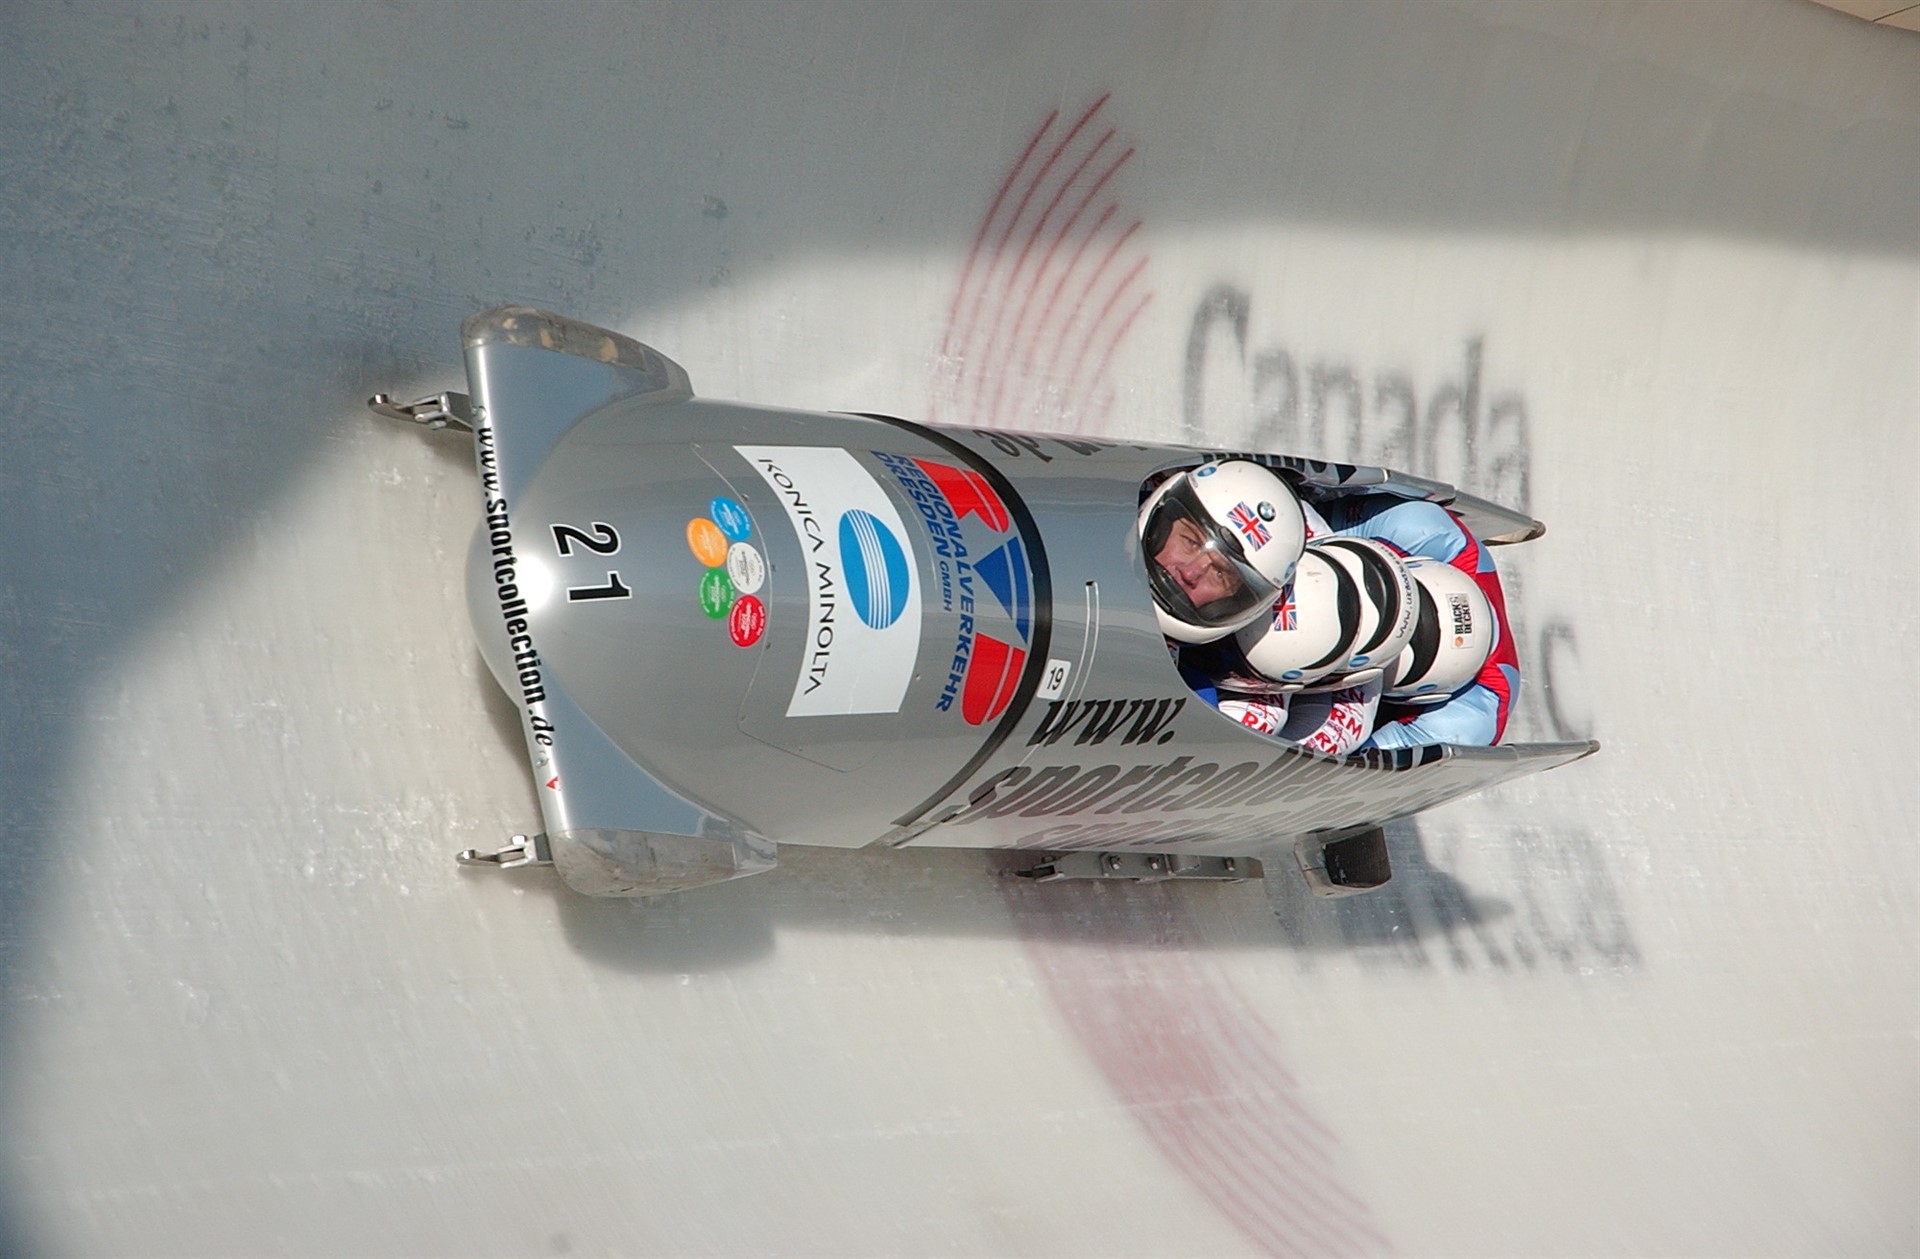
(732, 627)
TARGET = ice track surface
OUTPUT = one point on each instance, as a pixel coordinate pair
(1649, 271)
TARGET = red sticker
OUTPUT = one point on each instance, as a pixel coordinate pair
(968, 492)
(747, 621)
(992, 677)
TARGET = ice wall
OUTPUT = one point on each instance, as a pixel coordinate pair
(1651, 271)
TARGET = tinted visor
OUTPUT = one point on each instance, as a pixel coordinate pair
(1198, 569)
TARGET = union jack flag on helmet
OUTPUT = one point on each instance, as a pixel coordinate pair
(1251, 527)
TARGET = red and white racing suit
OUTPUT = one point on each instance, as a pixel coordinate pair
(1334, 722)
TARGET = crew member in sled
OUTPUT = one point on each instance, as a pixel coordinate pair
(1223, 542)
(1360, 679)
(1392, 632)
(1457, 679)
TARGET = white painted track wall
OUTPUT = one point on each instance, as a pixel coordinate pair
(1651, 271)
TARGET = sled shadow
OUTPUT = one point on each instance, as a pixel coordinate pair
(892, 894)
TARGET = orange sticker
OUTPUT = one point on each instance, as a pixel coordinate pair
(708, 543)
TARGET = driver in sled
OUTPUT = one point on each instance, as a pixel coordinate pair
(1372, 621)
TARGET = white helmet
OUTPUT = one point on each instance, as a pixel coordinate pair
(1455, 633)
(1352, 608)
(1220, 544)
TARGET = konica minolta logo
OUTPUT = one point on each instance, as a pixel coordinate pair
(876, 567)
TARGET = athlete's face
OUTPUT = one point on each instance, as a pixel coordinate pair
(1203, 573)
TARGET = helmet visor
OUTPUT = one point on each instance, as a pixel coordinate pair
(1197, 567)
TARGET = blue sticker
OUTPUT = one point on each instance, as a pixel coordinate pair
(876, 567)
(1206, 469)
(732, 518)
(1005, 572)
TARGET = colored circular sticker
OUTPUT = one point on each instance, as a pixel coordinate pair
(707, 543)
(731, 517)
(746, 567)
(747, 621)
(716, 593)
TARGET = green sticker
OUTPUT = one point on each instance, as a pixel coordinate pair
(716, 593)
